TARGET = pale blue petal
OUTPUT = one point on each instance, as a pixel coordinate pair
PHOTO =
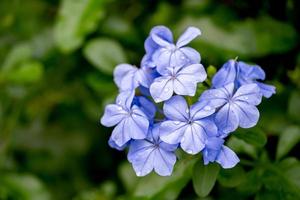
(171, 132)
(189, 34)
(227, 158)
(113, 144)
(208, 126)
(193, 140)
(161, 89)
(176, 109)
(124, 99)
(138, 147)
(147, 61)
(266, 90)
(161, 58)
(226, 119)
(193, 72)
(146, 106)
(185, 86)
(215, 97)
(212, 149)
(120, 135)
(124, 77)
(191, 55)
(249, 93)
(251, 71)
(137, 124)
(164, 162)
(145, 76)
(160, 40)
(248, 114)
(201, 109)
(162, 32)
(226, 75)
(113, 114)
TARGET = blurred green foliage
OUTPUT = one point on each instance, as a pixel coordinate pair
(56, 63)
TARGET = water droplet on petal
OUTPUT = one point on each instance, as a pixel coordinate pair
(217, 95)
(207, 108)
(119, 102)
(189, 151)
(176, 122)
(246, 98)
(138, 173)
(182, 57)
(120, 108)
(166, 90)
(187, 110)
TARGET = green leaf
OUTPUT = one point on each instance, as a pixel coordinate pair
(294, 106)
(25, 187)
(104, 54)
(290, 170)
(28, 72)
(232, 177)
(287, 140)
(204, 177)
(252, 183)
(240, 146)
(155, 187)
(76, 19)
(254, 136)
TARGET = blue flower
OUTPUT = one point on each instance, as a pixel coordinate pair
(152, 154)
(182, 81)
(234, 108)
(146, 106)
(165, 54)
(131, 121)
(187, 126)
(215, 151)
(241, 73)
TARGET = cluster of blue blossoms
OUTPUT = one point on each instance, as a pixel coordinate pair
(169, 71)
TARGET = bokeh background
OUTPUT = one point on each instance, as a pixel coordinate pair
(56, 63)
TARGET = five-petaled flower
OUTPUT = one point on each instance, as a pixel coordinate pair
(152, 154)
(182, 81)
(187, 126)
(234, 108)
(131, 121)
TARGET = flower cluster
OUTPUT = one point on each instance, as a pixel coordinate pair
(169, 73)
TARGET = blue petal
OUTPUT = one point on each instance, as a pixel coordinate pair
(145, 76)
(124, 77)
(176, 109)
(158, 39)
(227, 158)
(119, 135)
(249, 93)
(161, 89)
(164, 162)
(191, 55)
(251, 71)
(187, 79)
(162, 58)
(200, 110)
(113, 114)
(226, 119)
(141, 155)
(146, 106)
(248, 114)
(189, 34)
(124, 99)
(193, 140)
(147, 61)
(226, 75)
(138, 124)
(212, 149)
(112, 144)
(171, 132)
(161, 31)
(217, 97)
(266, 90)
